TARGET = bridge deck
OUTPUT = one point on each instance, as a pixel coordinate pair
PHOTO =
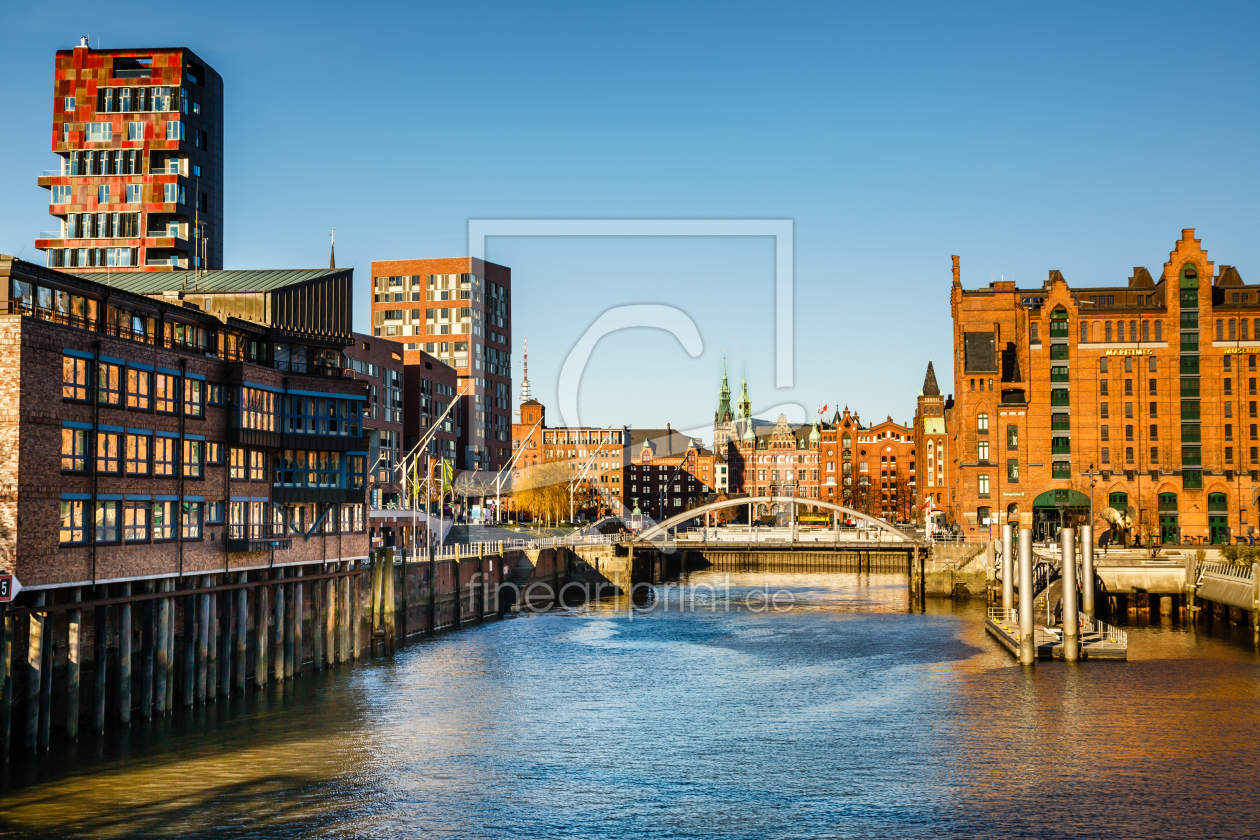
(1094, 645)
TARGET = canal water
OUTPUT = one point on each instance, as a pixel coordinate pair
(830, 712)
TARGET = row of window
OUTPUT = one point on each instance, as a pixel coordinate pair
(114, 257)
(135, 452)
(115, 521)
(138, 389)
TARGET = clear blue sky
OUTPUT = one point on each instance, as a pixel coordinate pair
(1080, 138)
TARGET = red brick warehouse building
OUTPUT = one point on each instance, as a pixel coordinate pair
(458, 310)
(139, 181)
(1140, 396)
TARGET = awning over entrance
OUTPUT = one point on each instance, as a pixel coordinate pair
(1061, 498)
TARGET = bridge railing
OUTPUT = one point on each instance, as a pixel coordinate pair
(1004, 614)
(1102, 628)
(1225, 570)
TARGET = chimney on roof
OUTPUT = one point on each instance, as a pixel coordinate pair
(957, 271)
(669, 440)
(83, 41)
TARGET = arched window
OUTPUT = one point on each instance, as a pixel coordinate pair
(1220, 330)
(1159, 330)
(1232, 330)
(1084, 332)
(1107, 331)
(1217, 503)
(1168, 502)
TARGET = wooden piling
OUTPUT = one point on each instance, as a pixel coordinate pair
(34, 664)
(190, 648)
(227, 624)
(354, 592)
(458, 590)
(318, 603)
(242, 632)
(46, 685)
(376, 599)
(212, 638)
(124, 659)
(163, 655)
(261, 602)
(74, 664)
(330, 617)
(147, 618)
(390, 626)
(100, 662)
(202, 633)
(170, 645)
(432, 584)
(278, 627)
(6, 682)
(299, 608)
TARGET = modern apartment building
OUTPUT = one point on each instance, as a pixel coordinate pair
(1139, 396)
(668, 472)
(458, 310)
(138, 134)
(152, 434)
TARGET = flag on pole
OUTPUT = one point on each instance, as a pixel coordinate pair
(822, 408)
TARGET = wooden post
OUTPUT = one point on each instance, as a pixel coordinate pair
(203, 640)
(74, 664)
(242, 632)
(354, 591)
(163, 649)
(146, 653)
(403, 583)
(1255, 604)
(289, 620)
(317, 623)
(226, 626)
(170, 646)
(212, 639)
(6, 682)
(391, 627)
(299, 609)
(190, 646)
(100, 662)
(376, 612)
(330, 617)
(262, 600)
(34, 664)
(124, 659)
(45, 687)
(278, 640)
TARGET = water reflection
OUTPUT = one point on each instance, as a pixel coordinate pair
(692, 713)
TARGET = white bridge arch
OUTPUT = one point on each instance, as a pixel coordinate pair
(661, 528)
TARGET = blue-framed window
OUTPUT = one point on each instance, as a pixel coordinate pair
(321, 416)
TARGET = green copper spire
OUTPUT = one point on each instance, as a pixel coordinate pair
(724, 398)
(745, 404)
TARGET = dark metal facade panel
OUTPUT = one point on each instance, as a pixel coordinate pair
(319, 495)
(981, 357)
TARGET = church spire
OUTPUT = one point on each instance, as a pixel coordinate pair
(745, 404)
(930, 388)
(332, 248)
(724, 398)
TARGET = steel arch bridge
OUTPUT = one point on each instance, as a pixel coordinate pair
(662, 528)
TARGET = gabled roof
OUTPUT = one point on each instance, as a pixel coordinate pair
(1229, 277)
(212, 282)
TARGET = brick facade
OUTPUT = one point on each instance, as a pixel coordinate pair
(460, 311)
(1139, 396)
(88, 405)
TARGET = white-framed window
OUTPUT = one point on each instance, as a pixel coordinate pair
(982, 422)
(65, 132)
(99, 132)
(135, 131)
(174, 130)
(983, 485)
(173, 193)
(135, 193)
(102, 194)
(118, 256)
(69, 106)
(61, 194)
(982, 450)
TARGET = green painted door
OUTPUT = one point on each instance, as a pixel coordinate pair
(1168, 528)
(1218, 525)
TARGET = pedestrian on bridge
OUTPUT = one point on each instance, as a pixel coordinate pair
(1105, 540)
